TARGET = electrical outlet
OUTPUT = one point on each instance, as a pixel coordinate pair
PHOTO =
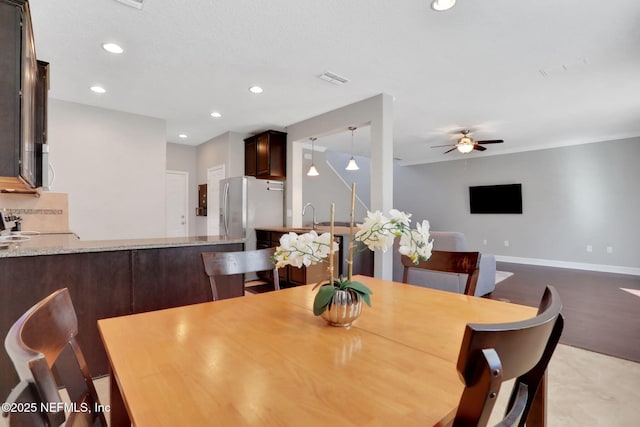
(609, 249)
(484, 242)
(506, 243)
(589, 248)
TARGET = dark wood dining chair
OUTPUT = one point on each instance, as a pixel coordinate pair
(43, 348)
(448, 262)
(229, 263)
(19, 407)
(493, 353)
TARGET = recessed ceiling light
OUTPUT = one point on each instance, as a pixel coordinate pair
(112, 48)
(182, 135)
(216, 115)
(441, 5)
(255, 89)
(98, 89)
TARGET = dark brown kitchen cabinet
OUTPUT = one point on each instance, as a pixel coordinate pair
(265, 155)
(41, 114)
(20, 142)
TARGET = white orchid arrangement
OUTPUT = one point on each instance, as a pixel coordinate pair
(377, 232)
(304, 249)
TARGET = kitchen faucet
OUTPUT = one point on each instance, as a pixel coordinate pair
(304, 209)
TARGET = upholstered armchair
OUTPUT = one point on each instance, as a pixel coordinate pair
(455, 242)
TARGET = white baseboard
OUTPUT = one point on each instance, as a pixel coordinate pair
(573, 265)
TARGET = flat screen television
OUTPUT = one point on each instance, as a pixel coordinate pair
(496, 199)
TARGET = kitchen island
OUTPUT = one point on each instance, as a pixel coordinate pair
(105, 278)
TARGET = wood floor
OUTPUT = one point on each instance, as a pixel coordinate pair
(599, 315)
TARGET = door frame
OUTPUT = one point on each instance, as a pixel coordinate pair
(186, 198)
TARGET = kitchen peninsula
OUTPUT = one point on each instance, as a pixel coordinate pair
(105, 278)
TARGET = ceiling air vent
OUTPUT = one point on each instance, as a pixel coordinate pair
(333, 78)
(133, 3)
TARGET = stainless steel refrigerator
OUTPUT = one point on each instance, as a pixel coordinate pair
(247, 203)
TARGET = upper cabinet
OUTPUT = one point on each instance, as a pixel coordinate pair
(265, 155)
(23, 92)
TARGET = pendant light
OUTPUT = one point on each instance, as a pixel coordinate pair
(352, 166)
(442, 5)
(312, 170)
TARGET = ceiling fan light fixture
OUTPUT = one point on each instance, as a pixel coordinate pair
(442, 5)
(465, 147)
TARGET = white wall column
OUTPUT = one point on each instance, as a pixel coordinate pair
(382, 175)
(376, 111)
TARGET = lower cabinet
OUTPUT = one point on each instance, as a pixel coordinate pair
(104, 284)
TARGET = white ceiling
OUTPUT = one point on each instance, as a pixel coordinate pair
(479, 66)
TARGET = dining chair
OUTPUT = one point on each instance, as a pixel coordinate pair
(20, 407)
(448, 262)
(493, 353)
(229, 263)
(43, 348)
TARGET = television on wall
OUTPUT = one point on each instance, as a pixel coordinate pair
(496, 199)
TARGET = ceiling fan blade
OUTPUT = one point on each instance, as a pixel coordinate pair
(479, 147)
(491, 141)
(440, 146)
(448, 151)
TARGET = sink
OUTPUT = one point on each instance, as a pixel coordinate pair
(300, 230)
(14, 238)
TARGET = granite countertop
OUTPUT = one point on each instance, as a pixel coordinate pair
(53, 244)
(337, 230)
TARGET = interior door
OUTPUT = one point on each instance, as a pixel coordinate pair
(176, 204)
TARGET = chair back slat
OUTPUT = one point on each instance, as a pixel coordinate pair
(43, 341)
(524, 350)
(448, 262)
(230, 263)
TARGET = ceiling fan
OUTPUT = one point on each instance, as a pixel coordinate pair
(466, 144)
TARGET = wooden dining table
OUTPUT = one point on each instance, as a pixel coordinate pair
(267, 360)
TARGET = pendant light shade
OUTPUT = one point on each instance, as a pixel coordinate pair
(312, 169)
(441, 5)
(352, 165)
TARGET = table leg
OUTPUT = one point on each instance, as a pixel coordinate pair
(118, 414)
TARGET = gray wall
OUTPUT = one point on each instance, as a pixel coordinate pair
(226, 149)
(112, 164)
(329, 187)
(572, 197)
(360, 177)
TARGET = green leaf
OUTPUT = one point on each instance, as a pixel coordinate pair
(322, 299)
(358, 287)
(366, 299)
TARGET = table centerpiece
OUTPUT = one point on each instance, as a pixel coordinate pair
(339, 300)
